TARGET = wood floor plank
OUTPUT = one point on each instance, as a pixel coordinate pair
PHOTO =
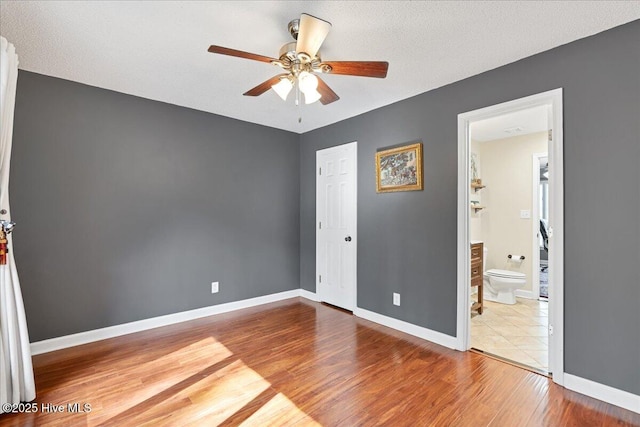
(295, 362)
(522, 403)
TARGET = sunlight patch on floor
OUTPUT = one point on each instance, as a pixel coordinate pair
(213, 399)
(158, 375)
(212, 395)
(279, 411)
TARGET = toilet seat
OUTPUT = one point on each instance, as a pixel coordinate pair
(505, 273)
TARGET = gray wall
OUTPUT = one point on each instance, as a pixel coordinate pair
(407, 241)
(129, 208)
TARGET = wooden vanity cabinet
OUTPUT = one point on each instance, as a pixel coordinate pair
(477, 264)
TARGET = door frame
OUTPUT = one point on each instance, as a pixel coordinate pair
(552, 98)
(354, 233)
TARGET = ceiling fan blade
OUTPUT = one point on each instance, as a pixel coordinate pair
(239, 53)
(311, 34)
(264, 86)
(327, 94)
(359, 68)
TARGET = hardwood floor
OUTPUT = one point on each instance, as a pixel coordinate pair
(295, 362)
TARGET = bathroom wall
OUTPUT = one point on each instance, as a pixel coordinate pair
(475, 217)
(507, 172)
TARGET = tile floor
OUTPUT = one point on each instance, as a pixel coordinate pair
(517, 332)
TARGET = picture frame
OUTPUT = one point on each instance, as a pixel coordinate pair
(399, 169)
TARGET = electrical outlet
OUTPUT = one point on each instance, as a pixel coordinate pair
(396, 299)
(215, 287)
(525, 214)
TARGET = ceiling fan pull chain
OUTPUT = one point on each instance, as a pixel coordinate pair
(298, 102)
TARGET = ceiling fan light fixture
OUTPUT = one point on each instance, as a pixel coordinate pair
(311, 96)
(283, 87)
(307, 81)
(308, 84)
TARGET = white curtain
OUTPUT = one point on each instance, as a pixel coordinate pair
(16, 371)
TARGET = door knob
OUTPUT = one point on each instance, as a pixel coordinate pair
(347, 239)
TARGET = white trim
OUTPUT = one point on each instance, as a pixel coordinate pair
(73, 340)
(552, 98)
(309, 295)
(521, 293)
(463, 257)
(407, 328)
(355, 227)
(608, 394)
(556, 240)
(80, 338)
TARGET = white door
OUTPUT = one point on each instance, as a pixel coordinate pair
(336, 240)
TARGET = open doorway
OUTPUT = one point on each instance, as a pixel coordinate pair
(513, 323)
(494, 206)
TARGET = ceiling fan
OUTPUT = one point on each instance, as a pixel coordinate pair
(301, 62)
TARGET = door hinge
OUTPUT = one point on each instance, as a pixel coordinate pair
(320, 171)
(320, 225)
(320, 278)
(550, 329)
(550, 134)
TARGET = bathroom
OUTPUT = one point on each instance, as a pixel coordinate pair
(508, 157)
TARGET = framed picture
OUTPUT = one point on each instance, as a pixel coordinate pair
(399, 169)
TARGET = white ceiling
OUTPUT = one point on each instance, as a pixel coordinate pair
(518, 123)
(158, 49)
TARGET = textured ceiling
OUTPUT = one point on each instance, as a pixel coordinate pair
(158, 49)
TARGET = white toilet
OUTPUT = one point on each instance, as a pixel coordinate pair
(500, 285)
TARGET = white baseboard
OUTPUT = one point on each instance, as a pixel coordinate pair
(408, 328)
(525, 294)
(603, 392)
(390, 322)
(58, 343)
(80, 338)
(309, 295)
